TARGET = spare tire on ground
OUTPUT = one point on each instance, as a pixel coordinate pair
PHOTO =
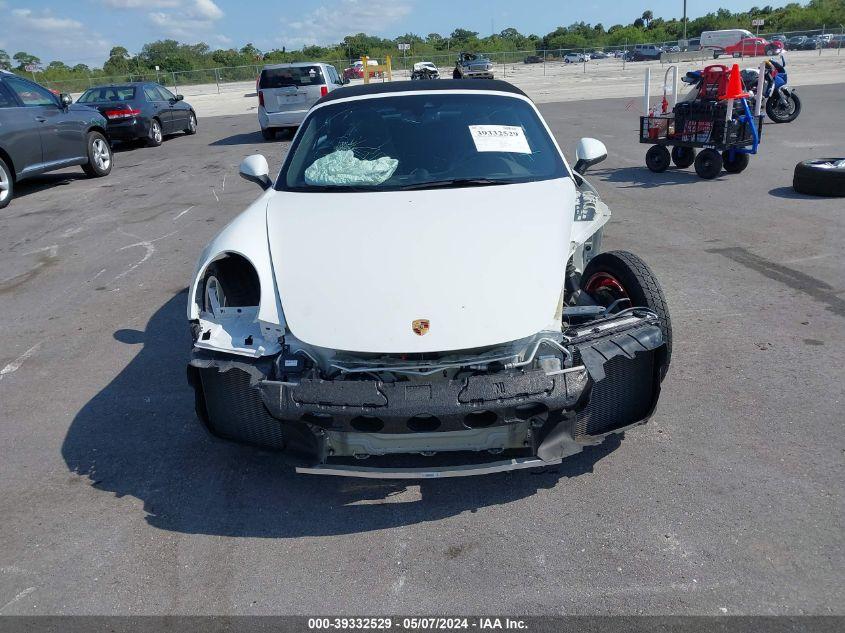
(820, 177)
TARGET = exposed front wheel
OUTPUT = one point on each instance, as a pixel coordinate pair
(620, 276)
(708, 164)
(228, 282)
(7, 184)
(99, 156)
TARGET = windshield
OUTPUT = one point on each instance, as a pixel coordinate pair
(110, 93)
(291, 76)
(420, 141)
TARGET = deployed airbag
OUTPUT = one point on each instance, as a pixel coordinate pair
(342, 168)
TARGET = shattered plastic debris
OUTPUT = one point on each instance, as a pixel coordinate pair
(342, 168)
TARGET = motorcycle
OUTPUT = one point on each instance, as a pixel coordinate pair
(782, 103)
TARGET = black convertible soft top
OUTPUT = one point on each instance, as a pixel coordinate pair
(377, 88)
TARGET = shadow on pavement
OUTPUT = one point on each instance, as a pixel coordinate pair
(251, 138)
(643, 177)
(35, 184)
(790, 194)
(139, 436)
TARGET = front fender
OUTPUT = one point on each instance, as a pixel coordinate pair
(246, 236)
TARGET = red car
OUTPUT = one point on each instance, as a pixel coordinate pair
(753, 46)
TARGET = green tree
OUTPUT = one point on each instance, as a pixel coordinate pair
(119, 51)
(25, 59)
(463, 36)
(5, 61)
(647, 17)
(250, 51)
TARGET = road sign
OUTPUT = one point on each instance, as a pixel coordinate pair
(758, 22)
(31, 68)
(403, 46)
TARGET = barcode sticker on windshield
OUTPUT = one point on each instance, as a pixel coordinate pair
(499, 138)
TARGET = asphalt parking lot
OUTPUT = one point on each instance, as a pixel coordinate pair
(729, 501)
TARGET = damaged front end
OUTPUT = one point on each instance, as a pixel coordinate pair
(532, 402)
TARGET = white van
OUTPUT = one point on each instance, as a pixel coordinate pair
(717, 41)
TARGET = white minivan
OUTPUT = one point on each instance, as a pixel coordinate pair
(717, 41)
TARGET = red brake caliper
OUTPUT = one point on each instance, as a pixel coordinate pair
(606, 282)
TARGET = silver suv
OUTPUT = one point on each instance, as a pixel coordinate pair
(287, 91)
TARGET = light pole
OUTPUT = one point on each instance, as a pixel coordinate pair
(685, 19)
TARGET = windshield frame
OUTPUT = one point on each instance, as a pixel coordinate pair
(280, 182)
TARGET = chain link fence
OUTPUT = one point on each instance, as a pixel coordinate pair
(510, 63)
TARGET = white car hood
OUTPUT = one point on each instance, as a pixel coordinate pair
(483, 265)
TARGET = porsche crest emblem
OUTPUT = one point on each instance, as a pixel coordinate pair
(420, 326)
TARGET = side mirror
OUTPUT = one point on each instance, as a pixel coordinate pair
(345, 80)
(255, 169)
(179, 97)
(66, 99)
(589, 152)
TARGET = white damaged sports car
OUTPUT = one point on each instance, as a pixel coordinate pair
(424, 277)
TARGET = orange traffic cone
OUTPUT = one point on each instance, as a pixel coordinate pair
(735, 90)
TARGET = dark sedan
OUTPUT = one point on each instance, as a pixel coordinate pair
(41, 132)
(141, 111)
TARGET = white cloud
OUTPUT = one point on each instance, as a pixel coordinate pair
(51, 36)
(191, 17)
(330, 23)
(43, 22)
(142, 4)
(207, 9)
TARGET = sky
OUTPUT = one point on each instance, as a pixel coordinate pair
(83, 31)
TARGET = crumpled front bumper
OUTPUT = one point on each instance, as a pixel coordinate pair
(539, 417)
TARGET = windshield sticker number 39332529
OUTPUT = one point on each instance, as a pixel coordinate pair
(499, 138)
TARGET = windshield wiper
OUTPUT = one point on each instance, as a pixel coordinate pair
(455, 182)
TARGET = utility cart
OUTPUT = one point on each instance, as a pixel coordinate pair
(718, 121)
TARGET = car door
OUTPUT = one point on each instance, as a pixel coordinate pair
(20, 134)
(159, 107)
(62, 133)
(176, 109)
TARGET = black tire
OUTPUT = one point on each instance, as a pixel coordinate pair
(708, 163)
(456, 74)
(683, 157)
(639, 283)
(820, 177)
(735, 166)
(192, 123)
(7, 184)
(657, 159)
(783, 115)
(240, 284)
(155, 136)
(100, 157)
(268, 133)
